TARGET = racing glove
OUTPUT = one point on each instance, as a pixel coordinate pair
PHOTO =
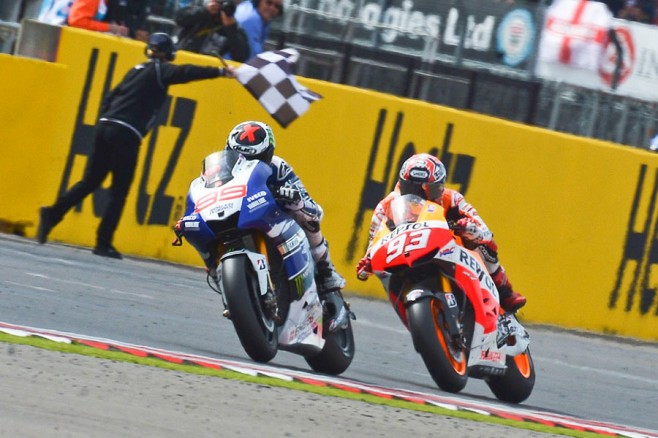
(469, 230)
(178, 231)
(363, 269)
(178, 228)
(288, 194)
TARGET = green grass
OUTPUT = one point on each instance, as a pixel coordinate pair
(74, 348)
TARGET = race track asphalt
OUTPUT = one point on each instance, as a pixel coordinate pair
(52, 394)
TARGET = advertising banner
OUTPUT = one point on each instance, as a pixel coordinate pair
(576, 47)
(491, 32)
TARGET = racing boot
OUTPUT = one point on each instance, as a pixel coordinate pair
(510, 300)
(336, 310)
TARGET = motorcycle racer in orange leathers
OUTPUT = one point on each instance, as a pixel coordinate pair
(424, 175)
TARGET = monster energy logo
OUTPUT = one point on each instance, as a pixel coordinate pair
(302, 281)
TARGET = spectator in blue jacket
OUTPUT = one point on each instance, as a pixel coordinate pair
(255, 17)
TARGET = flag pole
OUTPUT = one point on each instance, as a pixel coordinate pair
(222, 60)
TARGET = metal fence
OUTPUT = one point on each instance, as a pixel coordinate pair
(417, 62)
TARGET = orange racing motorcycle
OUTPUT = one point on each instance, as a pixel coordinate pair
(442, 293)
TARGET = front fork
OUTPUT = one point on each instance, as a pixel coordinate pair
(454, 314)
(260, 264)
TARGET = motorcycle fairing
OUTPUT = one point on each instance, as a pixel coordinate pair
(419, 237)
(508, 327)
(291, 242)
(302, 331)
(410, 243)
(244, 192)
(473, 279)
(484, 350)
(260, 211)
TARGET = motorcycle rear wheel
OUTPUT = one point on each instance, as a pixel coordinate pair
(445, 361)
(257, 332)
(518, 381)
(337, 353)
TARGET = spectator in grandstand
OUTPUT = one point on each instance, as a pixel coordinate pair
(119, 17)
(211, 29)
(642, 11)
(614, 5)
(255, 16)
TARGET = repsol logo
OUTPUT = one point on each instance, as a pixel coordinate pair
(402, 229)
(394, 151)
(634, 289)
(407, 227)
(471, 262)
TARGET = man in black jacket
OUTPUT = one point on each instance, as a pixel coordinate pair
(211, 29)
(127, 114)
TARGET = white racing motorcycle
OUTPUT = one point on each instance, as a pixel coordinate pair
(263, 265)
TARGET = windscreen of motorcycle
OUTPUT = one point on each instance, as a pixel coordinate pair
(218, 168)
(406, 209)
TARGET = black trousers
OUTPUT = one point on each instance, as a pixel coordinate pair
(116, 150)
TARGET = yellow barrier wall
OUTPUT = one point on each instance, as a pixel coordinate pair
(575, 219)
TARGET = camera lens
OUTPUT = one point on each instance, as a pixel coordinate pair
(228, 7)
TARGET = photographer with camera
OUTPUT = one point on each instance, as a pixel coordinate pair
(211, 29)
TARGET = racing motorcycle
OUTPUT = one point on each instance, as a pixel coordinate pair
(260, 263)
(442, 293)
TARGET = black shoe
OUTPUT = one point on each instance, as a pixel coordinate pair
(46, 224)
(107, 251)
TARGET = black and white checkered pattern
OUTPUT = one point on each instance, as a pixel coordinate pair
(268, 77)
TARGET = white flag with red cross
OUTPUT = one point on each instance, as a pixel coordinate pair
(575, 33)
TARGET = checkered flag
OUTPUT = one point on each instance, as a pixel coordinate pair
(268, 77)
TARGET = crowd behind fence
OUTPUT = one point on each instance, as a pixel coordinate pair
(456, 65)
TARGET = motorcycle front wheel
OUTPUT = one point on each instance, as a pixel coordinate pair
(444, 359)
(337, 353)
(257, 332)
(518, 381)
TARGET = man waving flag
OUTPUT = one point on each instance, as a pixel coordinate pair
(268, 77)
